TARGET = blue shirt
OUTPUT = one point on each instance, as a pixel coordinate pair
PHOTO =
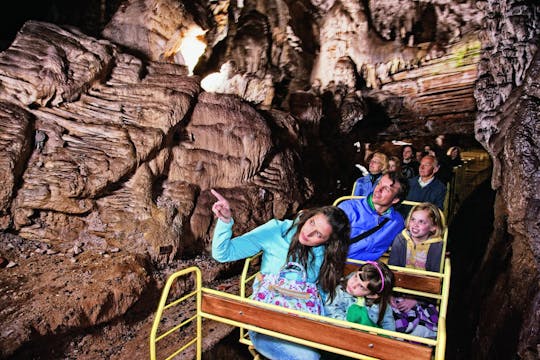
(365, 185)
(363, 217)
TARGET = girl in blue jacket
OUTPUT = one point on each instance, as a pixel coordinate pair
(317, 238)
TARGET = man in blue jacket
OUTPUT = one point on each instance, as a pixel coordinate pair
(374, 221)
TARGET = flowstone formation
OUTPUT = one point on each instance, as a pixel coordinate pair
(507, 126)
(107, 158)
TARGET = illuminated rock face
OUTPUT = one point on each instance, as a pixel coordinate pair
(123, 153)
(104, 156)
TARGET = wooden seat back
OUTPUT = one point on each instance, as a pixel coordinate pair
(408, 280)
(318, 333)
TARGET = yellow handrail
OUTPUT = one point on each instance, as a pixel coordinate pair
(440, 350)
(439, 343)
(244, 280)
(154, 338)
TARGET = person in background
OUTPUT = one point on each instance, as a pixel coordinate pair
(318, 239)
(419, 155)
(428, 150)
(374, 221)
(426, 187)
(394, 164)
(445, 172)
(418, 246)
(377, 167)
(363, 297)
(409, 165)
(454, 154)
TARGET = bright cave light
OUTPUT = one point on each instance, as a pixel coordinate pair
(193, 46)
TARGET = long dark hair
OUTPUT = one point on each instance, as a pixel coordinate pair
(336, 250)
(369, 272)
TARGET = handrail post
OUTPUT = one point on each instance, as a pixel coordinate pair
(199, 311)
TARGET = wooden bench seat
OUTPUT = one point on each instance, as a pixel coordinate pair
(318, 332)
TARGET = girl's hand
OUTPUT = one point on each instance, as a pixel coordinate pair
(221, 207)
(406, 304)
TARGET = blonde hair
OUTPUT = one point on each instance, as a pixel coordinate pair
(434, 213)
(383, 159)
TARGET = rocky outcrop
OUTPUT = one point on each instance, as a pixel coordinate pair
(107, 161)
(507, 126)
(125, 149)
(15, 148)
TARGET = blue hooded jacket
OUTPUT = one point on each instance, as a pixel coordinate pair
(363, 217)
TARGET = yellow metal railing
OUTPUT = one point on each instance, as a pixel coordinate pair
(245, 280)
(442, 300)
(439, 344)
(155, 338)
(440, 350)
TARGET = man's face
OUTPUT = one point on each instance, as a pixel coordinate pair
(407, 153)
(427, 167)
(385, 192)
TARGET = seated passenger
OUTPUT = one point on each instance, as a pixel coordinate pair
(363, 297)
(394, 164)
(454, 153)
(316, 239)
(377, 167)
(419, 246)
(425, 187)
(409, 165)
(374, 221)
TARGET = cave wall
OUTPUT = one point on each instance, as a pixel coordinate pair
(507, 125)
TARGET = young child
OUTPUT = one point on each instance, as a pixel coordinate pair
(363, 297)
(377, 167)
(419, 246)
(394, 164)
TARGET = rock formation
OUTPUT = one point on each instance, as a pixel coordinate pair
(103, 152)
(507, 125)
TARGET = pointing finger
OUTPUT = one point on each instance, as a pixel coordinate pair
(217, 195)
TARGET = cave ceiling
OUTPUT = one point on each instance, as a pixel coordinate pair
(387, 69)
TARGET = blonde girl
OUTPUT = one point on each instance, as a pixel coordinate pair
(419, 246)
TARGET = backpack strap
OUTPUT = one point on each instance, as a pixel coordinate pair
(370, 231)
